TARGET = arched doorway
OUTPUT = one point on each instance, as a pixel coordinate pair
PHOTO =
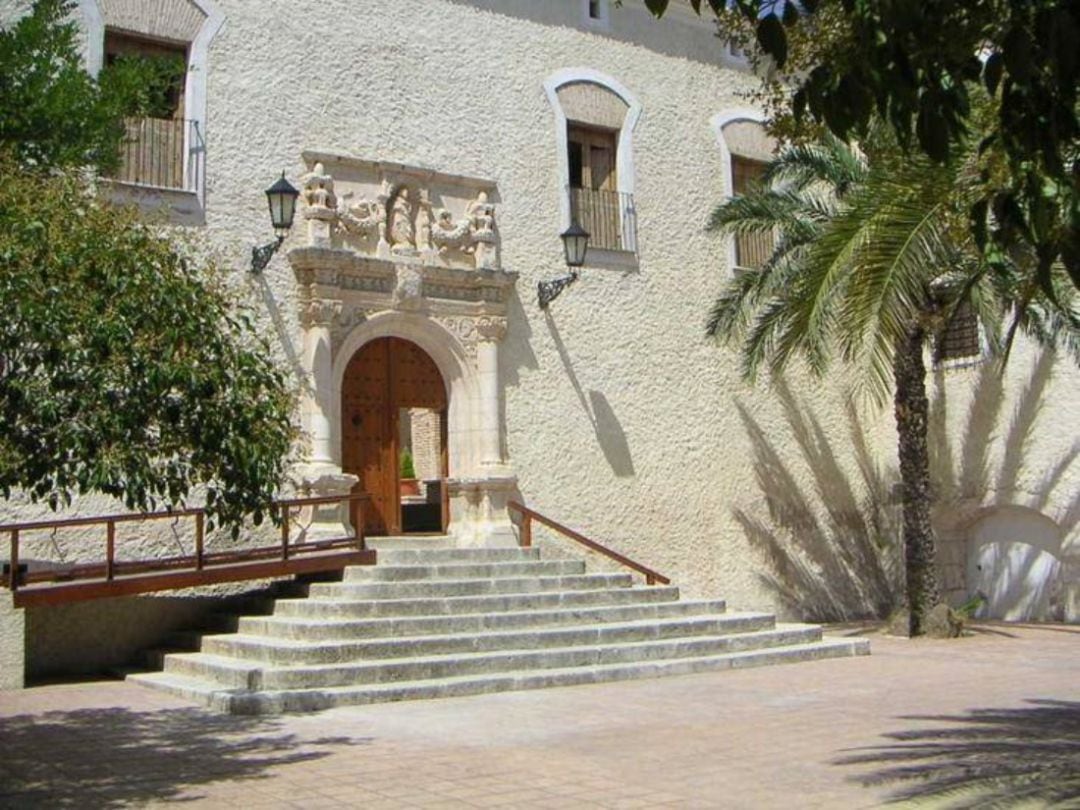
(390, 383)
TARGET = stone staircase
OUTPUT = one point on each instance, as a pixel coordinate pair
(435, 621)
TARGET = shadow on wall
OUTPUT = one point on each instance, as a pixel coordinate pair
(116, 757)
(985, 758)
(609, 430)
(831, 543)
(999, 536)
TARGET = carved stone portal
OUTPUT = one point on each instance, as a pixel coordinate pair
(395, 250)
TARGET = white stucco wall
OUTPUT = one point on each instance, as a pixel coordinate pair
(620, 419)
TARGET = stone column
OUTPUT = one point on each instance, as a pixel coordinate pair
(320, 476)
(490, 331)
(316, 317)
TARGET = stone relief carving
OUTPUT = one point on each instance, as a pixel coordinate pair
(317, 312)
(409, 288)
(320, 202)
(491, 328)
(445, 233)
(402, 230)
(350, 318)
(366, 284)
(464, 329)
(401, 220)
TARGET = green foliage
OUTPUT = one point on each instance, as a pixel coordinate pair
(407, 468)
(144, 83)
(869, 244)
(52, 112)
(917, 66)
(123, 368)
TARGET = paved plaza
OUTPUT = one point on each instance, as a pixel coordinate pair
(914, 719)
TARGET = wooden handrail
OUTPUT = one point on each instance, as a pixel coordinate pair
(528, 515)
(112, 569)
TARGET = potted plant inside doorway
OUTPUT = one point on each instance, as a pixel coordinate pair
(407, 474)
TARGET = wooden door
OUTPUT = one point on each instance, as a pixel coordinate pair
(368, 435)
(383, 376)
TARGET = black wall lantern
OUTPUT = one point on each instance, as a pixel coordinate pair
(575, 245)
(281, 198)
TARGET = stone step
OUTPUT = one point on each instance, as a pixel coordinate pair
(410, 542)
(288, 652)
(462, 570)
(237, 673)
(324, 629)
(239, 701)
(467, 587)
(438, 556)
(321, 609)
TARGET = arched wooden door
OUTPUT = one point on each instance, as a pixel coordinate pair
(384, 376)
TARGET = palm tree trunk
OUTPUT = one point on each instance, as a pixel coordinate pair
(912, 407)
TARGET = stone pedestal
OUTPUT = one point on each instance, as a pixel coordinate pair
(324, 521)
(12, 643)
(478, 514)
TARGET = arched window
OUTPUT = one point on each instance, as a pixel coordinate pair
(164, 149)
(745, 149)
(594, 121)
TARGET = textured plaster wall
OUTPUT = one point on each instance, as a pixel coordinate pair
(89, 638)
(620, 418)
(1008, 443)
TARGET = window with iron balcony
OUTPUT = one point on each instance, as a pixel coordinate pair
(596, 203)
(162, 146)
(595, 116)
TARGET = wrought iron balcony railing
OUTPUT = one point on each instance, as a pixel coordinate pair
(161, 152)
(608, 216)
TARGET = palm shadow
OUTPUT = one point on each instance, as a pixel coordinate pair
(831, 539)
(831, 547)
(116, 757)
(984, 758)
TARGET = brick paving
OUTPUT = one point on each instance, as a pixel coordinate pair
(1005, 701)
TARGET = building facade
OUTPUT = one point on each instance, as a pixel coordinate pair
(441, 147)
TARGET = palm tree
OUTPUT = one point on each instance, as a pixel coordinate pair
(872, 259)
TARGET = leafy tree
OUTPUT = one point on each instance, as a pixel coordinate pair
(125, 368)
(916, 66)
(871, 262)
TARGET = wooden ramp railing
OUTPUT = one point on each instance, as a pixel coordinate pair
(529, 515)
(58, 584)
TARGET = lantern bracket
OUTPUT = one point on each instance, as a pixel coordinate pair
(548, 291)
(261, 255)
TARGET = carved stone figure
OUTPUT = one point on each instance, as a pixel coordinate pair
(402, 233)
(319, 194)
(481, 214)
(362, 217)
(445, 233)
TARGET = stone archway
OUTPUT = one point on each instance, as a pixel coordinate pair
(385, 378)
(385, 262)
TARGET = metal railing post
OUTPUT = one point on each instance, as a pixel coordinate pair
(110, 548)
(199, 517)
(13, 574)
(285, 533)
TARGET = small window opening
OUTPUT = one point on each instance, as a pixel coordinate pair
(595, 10)
(959, 339)
(751, 249)
(595, 202)
(153, 150)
